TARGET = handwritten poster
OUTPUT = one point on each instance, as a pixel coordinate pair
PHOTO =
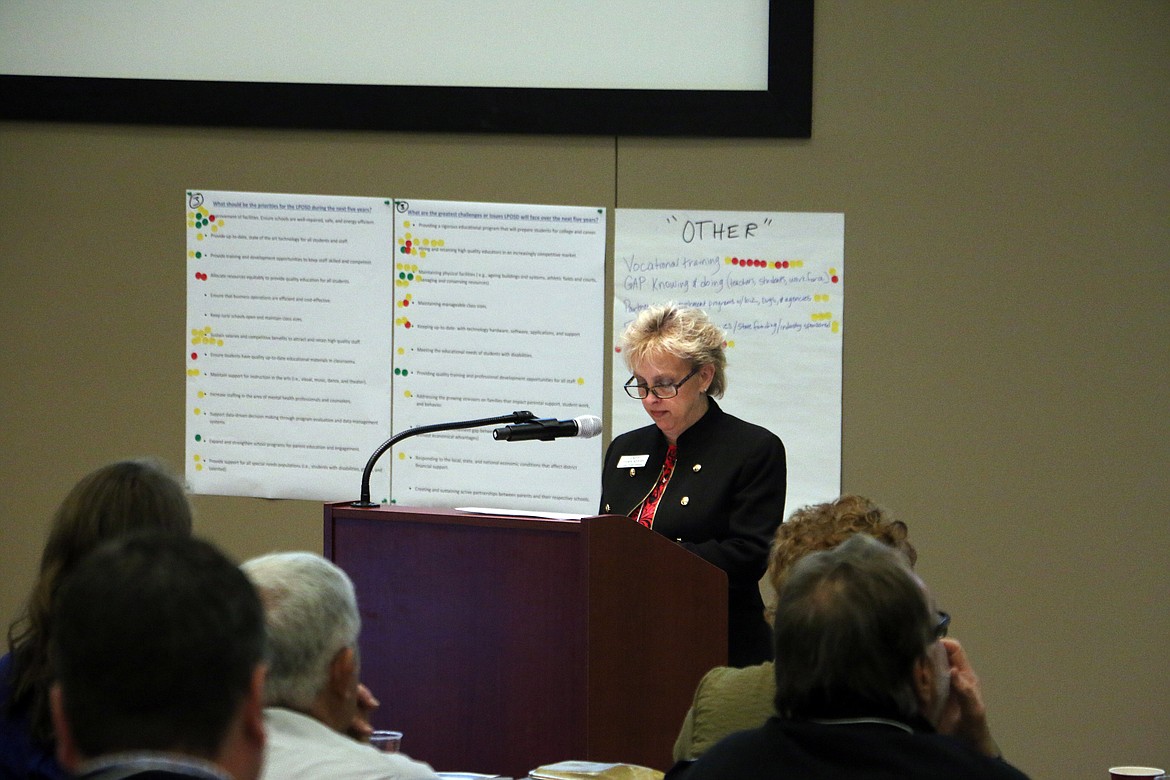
(774, 282)
(289, 305)
(498, 308)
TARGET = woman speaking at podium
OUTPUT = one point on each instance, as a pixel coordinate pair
(698, 475)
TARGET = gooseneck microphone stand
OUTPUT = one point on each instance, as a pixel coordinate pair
(514, 417)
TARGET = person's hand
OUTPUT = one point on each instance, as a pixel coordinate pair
(360, 728)
(964, 715)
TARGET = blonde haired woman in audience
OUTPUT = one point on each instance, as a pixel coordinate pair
(117, 499)
(729, 700)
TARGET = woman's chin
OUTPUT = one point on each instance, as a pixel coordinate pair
(665, 426)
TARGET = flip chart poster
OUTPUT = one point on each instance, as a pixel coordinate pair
(319, 326)
(498, 308)
(289, 309)
(774, 282)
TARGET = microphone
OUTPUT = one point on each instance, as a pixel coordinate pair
(514, 417)
(586, 427)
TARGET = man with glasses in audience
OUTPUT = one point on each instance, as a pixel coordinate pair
(867, 684)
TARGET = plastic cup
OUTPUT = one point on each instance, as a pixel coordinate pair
(1129, 772)
(387, 741)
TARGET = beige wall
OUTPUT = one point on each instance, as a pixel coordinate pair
(1004, 169)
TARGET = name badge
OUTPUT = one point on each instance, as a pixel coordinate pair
(632, 461)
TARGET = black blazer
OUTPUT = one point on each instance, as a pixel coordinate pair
(724, 502)
(877, 749)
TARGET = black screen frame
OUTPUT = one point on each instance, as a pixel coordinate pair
(783, 110)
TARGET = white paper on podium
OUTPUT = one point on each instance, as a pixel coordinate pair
(499, 512)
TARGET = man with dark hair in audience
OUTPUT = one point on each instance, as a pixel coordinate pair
(158, 646)
(866, 684)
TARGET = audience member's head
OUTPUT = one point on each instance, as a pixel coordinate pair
(313, 627)
(117, 499)
(856, 634)
(158, 645)
(824, 526)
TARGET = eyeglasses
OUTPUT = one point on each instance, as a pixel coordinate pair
(944, 622)
(635, 389)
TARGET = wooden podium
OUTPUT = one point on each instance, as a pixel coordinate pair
(498, 644)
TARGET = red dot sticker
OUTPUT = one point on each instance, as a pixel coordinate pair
(194, 355)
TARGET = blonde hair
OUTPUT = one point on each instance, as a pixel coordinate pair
(687, 334)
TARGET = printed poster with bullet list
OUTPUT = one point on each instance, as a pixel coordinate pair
(498, 308)
(288, 310)
(320, 325)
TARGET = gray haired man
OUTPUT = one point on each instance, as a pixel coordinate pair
(312, 695)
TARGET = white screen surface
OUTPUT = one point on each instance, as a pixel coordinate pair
(607, 44)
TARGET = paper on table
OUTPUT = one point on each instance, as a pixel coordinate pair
(586, 770)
